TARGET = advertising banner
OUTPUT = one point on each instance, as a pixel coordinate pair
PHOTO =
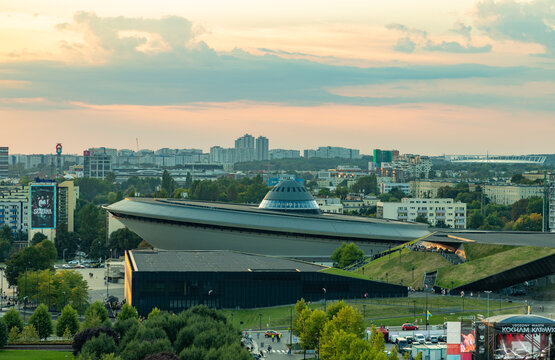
(467, 336)
(43, 206)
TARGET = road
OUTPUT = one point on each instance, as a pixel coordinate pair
(279, 349)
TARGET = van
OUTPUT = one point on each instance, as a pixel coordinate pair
(401, 345)
(419, 338)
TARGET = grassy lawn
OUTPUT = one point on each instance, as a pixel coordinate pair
(35, 355)
(391, 311)
(398, 267)
(489, 265)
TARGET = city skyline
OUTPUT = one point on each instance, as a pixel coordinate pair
(432, 78)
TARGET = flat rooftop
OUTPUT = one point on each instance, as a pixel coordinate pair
(214, 261)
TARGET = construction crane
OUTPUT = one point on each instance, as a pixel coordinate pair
(138, 153)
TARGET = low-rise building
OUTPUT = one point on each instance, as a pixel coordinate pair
(427, 189)
(435, 211)
(330, 205)
(386, 187)
(508, 194)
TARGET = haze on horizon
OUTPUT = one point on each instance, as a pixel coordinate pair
(428, 77)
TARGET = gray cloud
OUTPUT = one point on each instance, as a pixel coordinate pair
(462, 29)
(192, 72)
(405, 45)
(414, 39)
(455, 47)
(530, 22)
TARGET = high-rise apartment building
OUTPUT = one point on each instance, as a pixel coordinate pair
(330, 152)
(276, 154)
(551, 203)
(4, 162)
(244, 148)
(262, 148)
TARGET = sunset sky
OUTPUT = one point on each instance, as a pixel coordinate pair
(430, 77)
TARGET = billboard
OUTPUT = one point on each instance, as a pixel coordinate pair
(43, 206)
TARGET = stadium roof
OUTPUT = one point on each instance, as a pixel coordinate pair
(290, 196)
(214, 261)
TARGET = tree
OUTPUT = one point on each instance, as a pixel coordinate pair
(97, 346)
(6, 233)
(124, 239)
(346, 255)
(68, 241)
(13, 319)
(37, 238)
(535, 205)
(29, 333)
(532, 222)
(3, 334)
(37, 257)
(324, 192)
(42, 320)
(95, 315)
(167, 183)
(475, 220)
(366, 185)
(519, 208)
(188, 180)
(68, 320)
(312, 328)
(517, 179)
(91, 225)
(421, 219)
(127, 312)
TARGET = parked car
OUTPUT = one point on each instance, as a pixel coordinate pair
(66, 266)
(410, 340)
(434, 339)
(79, 266)
(269, 333)
(409, 326)
(419, 338)
(442, 338)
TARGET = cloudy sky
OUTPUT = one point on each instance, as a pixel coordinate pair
(426, 76)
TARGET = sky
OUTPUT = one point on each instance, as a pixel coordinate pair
(430, 77)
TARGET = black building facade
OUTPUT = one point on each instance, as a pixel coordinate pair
(225, 279)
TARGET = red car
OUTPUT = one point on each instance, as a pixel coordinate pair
(409, 326)
(269, 333)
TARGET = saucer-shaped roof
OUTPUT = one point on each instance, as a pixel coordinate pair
(289, 195)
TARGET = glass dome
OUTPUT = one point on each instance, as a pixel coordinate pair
(290, 196)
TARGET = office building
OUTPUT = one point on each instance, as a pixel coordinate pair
(507, 194)
(98, 162)
(176, 280)
(66, 202)
(262, 146)
(551, 203)
(435, 211)
(384, 156)
(4, 156)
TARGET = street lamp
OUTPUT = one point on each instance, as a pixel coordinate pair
(64, 256)
(364, 312)
(462, 296)
(325, 304)
(488, 292)
(25, 309)
(426, 289)
(260, 321)
(291, 328)
(107, 279)
(210, 297)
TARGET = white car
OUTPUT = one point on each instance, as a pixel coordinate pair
(419, 338)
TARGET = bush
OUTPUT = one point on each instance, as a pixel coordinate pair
(42, 319)
(29, 333)
(95, 316)
(67, 320)
(14, 335)
(82, 337)
(127, 312)
(3, 334)
(13, 318)
(138, 350)
(164, 355)
(96, 346)
(192, 353)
